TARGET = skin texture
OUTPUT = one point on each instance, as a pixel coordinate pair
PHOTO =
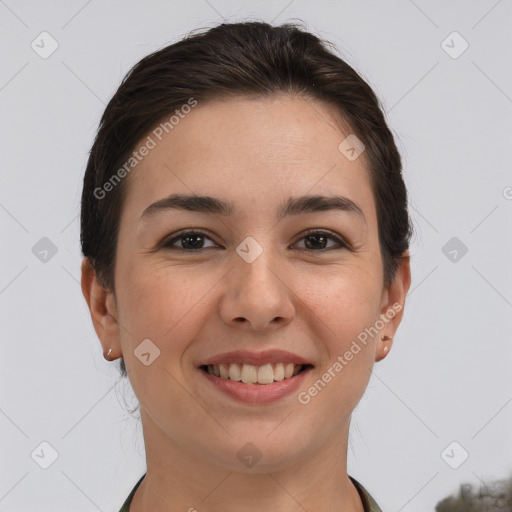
(312, 302)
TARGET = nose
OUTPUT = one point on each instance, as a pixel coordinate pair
(257, 295)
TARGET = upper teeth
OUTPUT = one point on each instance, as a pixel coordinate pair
(252, 374)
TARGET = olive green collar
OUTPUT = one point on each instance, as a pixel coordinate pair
(369, 503)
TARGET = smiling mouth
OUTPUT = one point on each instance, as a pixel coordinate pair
(253, 374)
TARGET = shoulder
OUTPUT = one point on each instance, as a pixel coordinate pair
(369, 504)
(126, 504)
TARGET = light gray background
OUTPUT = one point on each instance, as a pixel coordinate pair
(448, 375)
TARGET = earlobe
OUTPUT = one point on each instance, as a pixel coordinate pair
(102, 309)
(384, 347)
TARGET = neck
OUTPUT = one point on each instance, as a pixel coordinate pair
(178, 480)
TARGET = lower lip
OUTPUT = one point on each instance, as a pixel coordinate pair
(257, 393)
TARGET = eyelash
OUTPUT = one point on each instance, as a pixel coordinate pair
(328, 234)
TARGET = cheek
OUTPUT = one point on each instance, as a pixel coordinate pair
(346, 298)
(345, 308)
(163, 303)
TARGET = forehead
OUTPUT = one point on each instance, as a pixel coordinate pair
(254, 152)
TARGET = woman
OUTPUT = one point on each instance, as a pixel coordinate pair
(245, 235)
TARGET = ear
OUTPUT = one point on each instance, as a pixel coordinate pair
(392, 306)
(103, 311)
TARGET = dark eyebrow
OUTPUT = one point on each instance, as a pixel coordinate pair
(292, 206)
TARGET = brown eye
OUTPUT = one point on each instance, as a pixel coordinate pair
(191, 241)
(317, 240)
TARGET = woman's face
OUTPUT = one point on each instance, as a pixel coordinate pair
(252, 280)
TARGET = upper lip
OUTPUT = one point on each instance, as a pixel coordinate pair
(255, 358)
